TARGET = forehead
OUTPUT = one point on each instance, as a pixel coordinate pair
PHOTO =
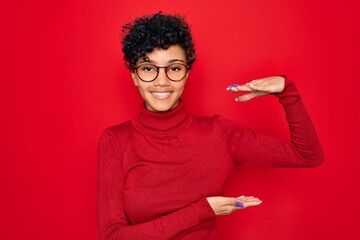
(159, 55)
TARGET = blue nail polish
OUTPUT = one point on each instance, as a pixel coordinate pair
(239, 204)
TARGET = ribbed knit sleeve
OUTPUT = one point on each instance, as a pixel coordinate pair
(112, 220)
(302, 150)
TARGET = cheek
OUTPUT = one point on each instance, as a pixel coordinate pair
(141, 89)
(182, 87)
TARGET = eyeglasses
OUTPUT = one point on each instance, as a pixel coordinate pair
(149, 72)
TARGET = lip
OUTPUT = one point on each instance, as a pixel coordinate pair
(161, 95)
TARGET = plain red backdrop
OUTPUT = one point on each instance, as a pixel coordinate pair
(63, 81)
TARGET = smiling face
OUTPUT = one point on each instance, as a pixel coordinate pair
(162, 94)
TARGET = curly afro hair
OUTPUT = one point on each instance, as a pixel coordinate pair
(156, 31)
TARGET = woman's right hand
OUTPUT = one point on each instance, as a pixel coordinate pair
(227, 205)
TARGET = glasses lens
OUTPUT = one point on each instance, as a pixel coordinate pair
(176, 71)
(147, 72)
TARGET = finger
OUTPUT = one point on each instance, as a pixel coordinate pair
(244, 88)
(249, 96)
(238, 87)
(258, 81)
(261, 87)
(247, 203)
(243, 201)
(246, 198)
(253, 202)
(249, 199)
(233, 87)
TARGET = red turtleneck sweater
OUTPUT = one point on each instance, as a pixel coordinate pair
(155, 172)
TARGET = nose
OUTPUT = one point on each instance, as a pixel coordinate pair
(162, 79)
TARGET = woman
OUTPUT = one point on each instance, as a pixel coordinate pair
(161, 175)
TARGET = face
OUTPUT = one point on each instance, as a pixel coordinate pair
(162, 94)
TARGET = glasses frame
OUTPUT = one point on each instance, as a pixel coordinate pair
(158, 70)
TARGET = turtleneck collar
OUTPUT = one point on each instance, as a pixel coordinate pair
(163, 122)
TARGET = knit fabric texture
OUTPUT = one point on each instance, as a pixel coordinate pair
(156, 171)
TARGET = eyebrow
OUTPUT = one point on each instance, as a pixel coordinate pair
(146, 59)
(176, 60)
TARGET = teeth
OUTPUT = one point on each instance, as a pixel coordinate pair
(161, 94)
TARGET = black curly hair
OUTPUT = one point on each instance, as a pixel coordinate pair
(156, 31)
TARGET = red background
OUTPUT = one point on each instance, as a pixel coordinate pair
(63, 81)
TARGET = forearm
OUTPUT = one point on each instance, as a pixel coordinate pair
(113, 223)
(302, 150)
(165, 227)
(303, 137)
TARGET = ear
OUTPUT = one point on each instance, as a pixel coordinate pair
(187, 75)
(135, 78)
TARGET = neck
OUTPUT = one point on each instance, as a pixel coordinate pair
(163, 122)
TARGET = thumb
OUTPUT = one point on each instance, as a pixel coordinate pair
(249, 96)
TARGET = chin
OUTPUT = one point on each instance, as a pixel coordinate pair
(161, 107)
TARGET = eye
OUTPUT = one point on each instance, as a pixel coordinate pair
(175, 68)
(147, 68)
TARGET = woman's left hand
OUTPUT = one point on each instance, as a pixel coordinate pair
(259, 87)
(227, 205)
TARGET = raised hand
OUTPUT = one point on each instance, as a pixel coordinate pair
(228, 205)
(258, 87)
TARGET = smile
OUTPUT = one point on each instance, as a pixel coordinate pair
(161, 95)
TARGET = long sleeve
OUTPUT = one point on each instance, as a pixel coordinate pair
(302, 150)
(113, 223)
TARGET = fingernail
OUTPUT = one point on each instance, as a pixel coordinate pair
(231, 86)
(236, 99)
(239, 204)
